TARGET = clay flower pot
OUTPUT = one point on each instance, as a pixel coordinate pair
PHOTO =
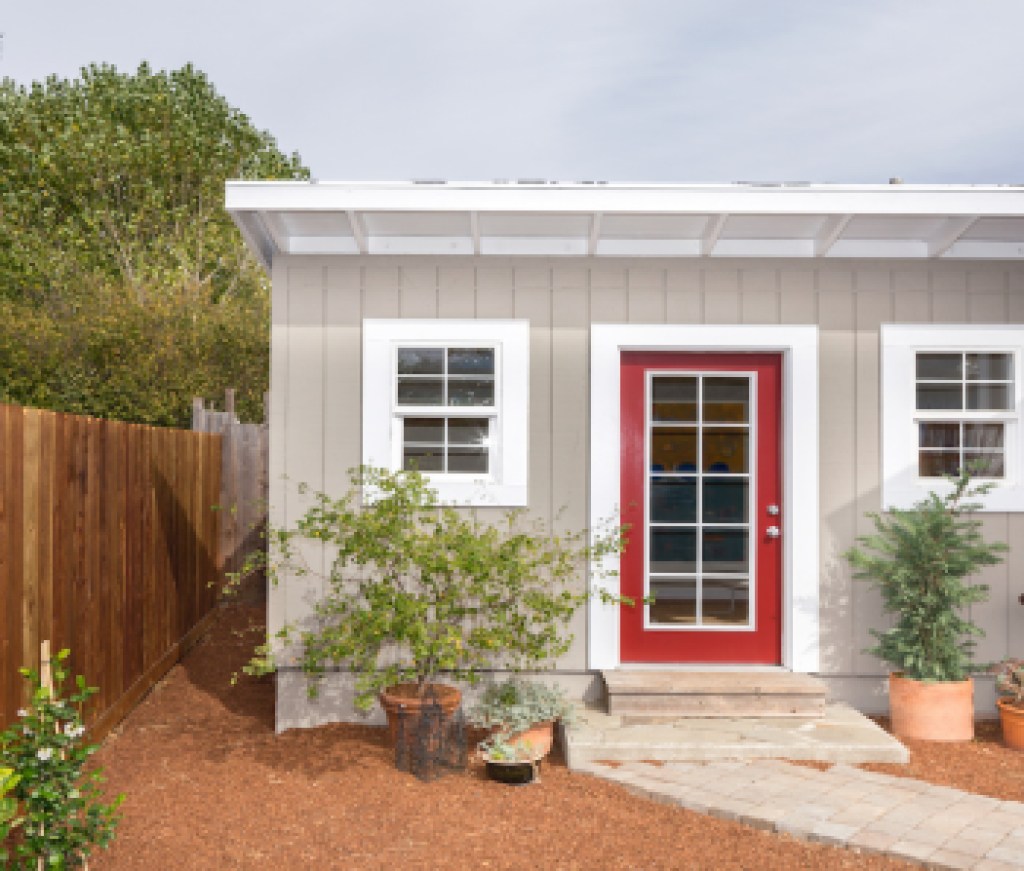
(1011, 717)
(404, 699)
(539, 737)
(931, 710)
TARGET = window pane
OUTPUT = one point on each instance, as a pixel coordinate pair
(467, 430)
(935, 464)
(939, 435)
(462, 459)
(673, 450)
(725, 500)
(673, 500)
(988, 397)
(420, 391)
(423, 459)
(463, 393)
(726, 399)
(673, 551)
(675, 399)
(939, 367)
(725, 601)
(424, 429)
(931, 396)
(983, 435)
(471, 361)
(725, 550)
(674, 602)
(985, 465)
(989, 367)
(725, 450)
(420, 361)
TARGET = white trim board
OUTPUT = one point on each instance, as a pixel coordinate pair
(798, 345)
(901, 486)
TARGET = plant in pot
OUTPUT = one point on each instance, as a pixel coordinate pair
(520, 716)
(1010, 690)
(419, 594)
(920, 559)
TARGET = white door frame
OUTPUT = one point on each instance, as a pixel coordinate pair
(798, 345)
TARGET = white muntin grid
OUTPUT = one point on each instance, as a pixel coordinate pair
(697, 476)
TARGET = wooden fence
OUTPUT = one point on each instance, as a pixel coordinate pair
(243, 490)
(108, 546)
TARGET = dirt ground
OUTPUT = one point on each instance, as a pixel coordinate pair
(209, 785)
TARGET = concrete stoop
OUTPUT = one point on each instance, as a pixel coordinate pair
(671, 693)
(839, 734)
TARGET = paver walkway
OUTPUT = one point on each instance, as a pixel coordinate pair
(845, 806)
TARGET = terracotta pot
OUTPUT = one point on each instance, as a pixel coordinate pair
(404, 699)
(1012, 719)
(931, 710)
(539, 736)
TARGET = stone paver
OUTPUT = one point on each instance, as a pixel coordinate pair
(844, 806)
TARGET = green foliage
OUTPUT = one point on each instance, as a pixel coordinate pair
(8, 809)
(119, 178)
(515, 704)
(919, 559)
(1010, 681)
(418, 589)
(125, 288)
(115, 355)
(62, 813)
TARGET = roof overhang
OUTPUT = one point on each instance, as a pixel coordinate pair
(629, 220)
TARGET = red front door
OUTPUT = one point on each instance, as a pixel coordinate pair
(701, 497)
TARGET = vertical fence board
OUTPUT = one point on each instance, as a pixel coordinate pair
(106, 537)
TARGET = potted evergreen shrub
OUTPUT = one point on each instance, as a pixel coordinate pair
(1010, 689)
(920, 559)
(419, 593)
(520, 716)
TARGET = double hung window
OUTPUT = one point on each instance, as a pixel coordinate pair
(445, 400)
(964, 401)
(951, 400)
(449, 399)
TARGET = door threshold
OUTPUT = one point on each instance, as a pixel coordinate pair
(696, 666)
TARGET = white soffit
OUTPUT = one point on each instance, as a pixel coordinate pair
(606, 220)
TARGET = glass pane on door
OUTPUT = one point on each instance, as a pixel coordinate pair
(699, 491)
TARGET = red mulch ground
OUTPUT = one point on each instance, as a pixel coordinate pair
(209, 785)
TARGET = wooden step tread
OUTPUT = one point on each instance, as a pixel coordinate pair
(670, 683)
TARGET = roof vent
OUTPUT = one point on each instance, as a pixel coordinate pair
(895, 180)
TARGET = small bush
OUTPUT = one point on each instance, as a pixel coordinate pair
(62, 815)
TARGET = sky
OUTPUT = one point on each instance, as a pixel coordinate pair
(846, 91)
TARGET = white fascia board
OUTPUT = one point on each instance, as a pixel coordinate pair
(643, 199)
(798, 345)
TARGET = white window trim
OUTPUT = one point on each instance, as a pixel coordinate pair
(798, 345)
(505, 485)
(901, 485)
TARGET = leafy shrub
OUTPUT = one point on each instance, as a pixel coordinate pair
(1010, 681)
(919, 558)
(8, 809)
(418, 589)
(62, 813)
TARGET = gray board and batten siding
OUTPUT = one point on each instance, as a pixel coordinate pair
(319, 304)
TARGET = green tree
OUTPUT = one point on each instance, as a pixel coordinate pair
(119, 178)
(125, 288)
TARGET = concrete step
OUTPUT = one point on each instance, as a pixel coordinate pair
(680, 693)
(840, 735)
